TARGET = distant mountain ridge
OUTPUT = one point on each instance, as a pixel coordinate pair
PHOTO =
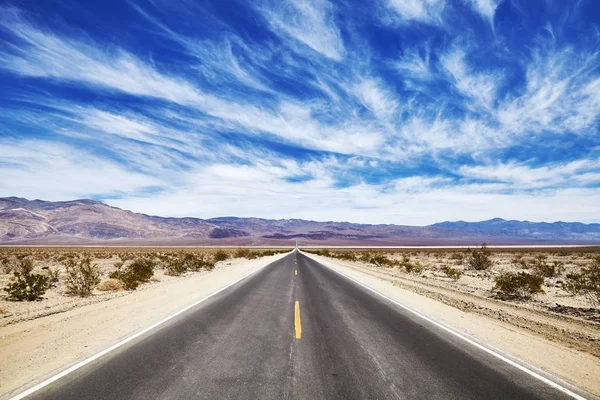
(85, 221)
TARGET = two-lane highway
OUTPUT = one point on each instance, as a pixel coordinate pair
(298, 330)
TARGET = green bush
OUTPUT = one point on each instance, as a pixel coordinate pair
(27, 286)
(241, 253)
(520, 285)
(221, 255)
(82, 277)
(452, 272)
(174, 266)
(411, 268)
(345, 256)
(458, 257)
(479, 259)
(541, 267)
(586, 282)
(380, 260)
(139, 271)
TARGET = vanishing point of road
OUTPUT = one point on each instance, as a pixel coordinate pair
(298, 330)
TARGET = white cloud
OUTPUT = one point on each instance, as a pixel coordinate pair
(429, 11)
(487, 8)
(415, 66)
(573, 174)
(308, 21)
(479, 86)
(264, 191)
(561, 94)
(62, 172)
(376, 98)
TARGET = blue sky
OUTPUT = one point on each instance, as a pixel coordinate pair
(390, 111)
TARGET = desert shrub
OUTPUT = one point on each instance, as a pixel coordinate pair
(541, 267)
(520, 262)
(586, 282)
(139, 271)
(110, 284)
(520, 285)
(27, 286)
(365, 256)
(175, 267)
(413, 268)
(82, 276)
(24, 265)
(380, 260)
(348, 256)
(241, 253)
(452, 272)
(53, 274)
(479, 259)
(458, 257)
(251, 255)
(8, 265)
(118, 264)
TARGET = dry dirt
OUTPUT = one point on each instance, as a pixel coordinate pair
(72, 329)
(567, 346)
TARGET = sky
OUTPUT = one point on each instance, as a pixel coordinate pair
(383, 111)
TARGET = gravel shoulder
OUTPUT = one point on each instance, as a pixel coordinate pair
(34, 349)
(566, 347)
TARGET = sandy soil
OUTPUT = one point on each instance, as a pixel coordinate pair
(564, 346)
(36, 348)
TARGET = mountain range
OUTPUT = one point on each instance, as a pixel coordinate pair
(75, 222)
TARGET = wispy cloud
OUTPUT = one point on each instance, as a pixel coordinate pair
(429, 11)
(310, 22)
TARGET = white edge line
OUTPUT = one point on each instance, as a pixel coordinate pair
(127, 340)
(463, 337)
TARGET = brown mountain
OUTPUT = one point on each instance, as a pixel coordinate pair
(25, 221)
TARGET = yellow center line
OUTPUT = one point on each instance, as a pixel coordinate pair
(295, 272)
(298, 323)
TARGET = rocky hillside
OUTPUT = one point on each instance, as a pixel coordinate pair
(25, 221)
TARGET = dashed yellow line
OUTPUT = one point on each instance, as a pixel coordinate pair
(295, 272)
(298, 323)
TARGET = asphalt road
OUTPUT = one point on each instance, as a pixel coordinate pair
(248, 342)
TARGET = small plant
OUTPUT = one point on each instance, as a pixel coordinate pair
(110, 284)
(520, 285)
(139, 271)
(27, 286)
(221, 255)
(53, 274)
(118, 264)
(415, 268)
(541, 267)
(7, 265)
(175, 266)
(519, 262)
(458, 257)
(365, 257)
(586, 282)
(479, 259)
(380, 260)
(452, 272)
(251, 255)
(241, 253)
(82, 276)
